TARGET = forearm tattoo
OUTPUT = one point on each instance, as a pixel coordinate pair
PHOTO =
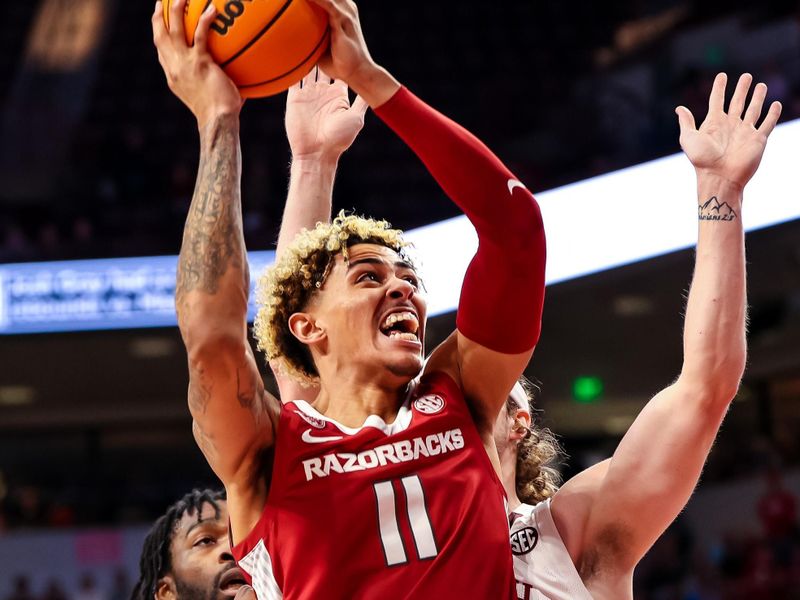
(213, 244)
(212, 238)
(713, 210)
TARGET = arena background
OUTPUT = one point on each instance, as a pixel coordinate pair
(97, 160)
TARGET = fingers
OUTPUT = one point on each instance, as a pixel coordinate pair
(293, 90)
(176, 26)
(159, 27)
(756, 104)
(359, 106)
(740, 95)
(203, 25)
(771, 119)
(716, 101)
(685, 119)
(341, 86)
(245, 593)
(322, 76)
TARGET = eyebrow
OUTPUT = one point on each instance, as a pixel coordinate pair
(201, 523)
(403, 264)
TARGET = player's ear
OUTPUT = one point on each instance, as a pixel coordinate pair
(522, 424)
(306, 329)
(166, 589)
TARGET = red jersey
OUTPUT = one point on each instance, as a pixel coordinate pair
(408, 510)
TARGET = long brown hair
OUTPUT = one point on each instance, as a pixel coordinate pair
(538, 453)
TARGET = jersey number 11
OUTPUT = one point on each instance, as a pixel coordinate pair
(393, 547)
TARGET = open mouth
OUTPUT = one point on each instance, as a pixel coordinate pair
(232, 580)
(401, 326)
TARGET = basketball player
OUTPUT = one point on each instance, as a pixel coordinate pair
(585, 541)
(407, 474)
(187, 553)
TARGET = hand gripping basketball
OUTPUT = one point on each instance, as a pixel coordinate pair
(349, 59)
(349, 53)
(264, 46)
(191, 73)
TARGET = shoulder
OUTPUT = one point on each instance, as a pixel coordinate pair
(444, 360)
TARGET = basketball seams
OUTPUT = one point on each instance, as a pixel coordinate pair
(320, 43)
(241, 66)
(259, 35)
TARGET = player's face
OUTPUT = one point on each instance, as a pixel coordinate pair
(502, 429)
(510, 429)
(203, 567)
(372, 313)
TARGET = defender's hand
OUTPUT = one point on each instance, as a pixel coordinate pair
(320, 121)
(191, 73)
(729, 146)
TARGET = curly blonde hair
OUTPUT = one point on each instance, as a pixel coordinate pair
(538, 455)
(287, 286)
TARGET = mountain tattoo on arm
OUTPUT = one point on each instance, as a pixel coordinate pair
(713, 210)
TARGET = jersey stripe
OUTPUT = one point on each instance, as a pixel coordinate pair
(387, 521)
(418, 518)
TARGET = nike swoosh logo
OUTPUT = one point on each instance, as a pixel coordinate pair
(513, 183)
(310, 439)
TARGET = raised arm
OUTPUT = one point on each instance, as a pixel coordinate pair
(233, 416)
(611, 516)
(499, 312)
(320, 125)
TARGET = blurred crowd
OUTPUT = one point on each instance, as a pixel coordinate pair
(742, 565)
(127, 179)
(87, 588)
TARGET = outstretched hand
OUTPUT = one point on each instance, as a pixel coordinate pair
(320, 121)
(191, 73)
(729, 145)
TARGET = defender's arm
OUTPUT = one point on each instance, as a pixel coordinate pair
(321, 125)
(658, 463)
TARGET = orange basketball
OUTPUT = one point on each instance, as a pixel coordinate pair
(264, 46)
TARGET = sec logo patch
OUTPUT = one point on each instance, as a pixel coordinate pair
(524, 540)
(430, 404)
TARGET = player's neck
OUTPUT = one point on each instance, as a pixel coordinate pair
(349, 400)
(508, 467)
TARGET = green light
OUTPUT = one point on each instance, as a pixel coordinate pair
(587, 389)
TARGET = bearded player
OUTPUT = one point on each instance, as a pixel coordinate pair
(407, 473)
(586, 540)
(187, 554)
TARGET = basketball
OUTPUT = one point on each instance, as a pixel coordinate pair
(264, 46)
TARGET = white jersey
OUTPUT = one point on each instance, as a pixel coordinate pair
(542, 566)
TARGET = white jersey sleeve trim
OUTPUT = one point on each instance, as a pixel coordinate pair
(258, 565)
